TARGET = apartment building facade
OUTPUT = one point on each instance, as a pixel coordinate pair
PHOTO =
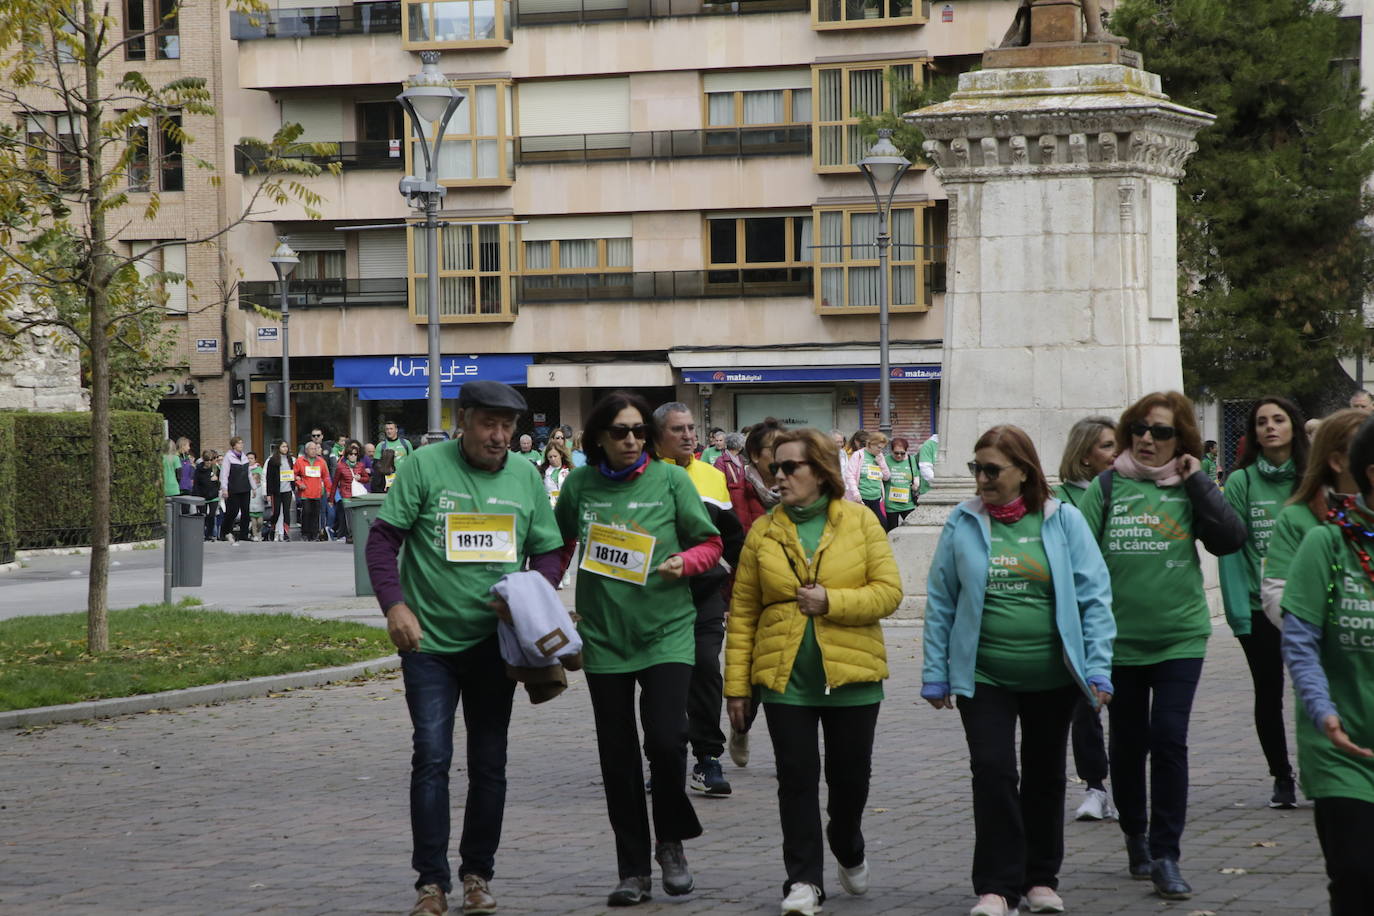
(657, 194)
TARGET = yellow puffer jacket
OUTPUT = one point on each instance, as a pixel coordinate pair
(861, 582)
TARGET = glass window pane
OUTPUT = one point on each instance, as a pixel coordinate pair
(456, 250)
(419, 22)
(417, 264)
(904, 235)
(722, 241)
(863, 287)
(421, 300)
(491, 296)
(619, 253)
(455, 159)
(863, 235)
(577, 254)
(831, 104)
(832, 145)
(865, 91)
(488, 159)
(451, 21)
(903, 285)
(801, 240)
(801, 106)
(765, 240)
(720, 109)
(486, 111)
(764, 107)
(538, 255)
(489, 240)
(484, 19)
(832, 287)
(832, 238)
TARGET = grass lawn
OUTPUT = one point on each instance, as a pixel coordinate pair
(43, 660)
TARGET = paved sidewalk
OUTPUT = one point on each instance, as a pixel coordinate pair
(297, 804)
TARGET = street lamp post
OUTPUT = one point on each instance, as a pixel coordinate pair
(884, 167)
(430, 97)
(284, 261)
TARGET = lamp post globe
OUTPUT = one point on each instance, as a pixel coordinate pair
(283, 261)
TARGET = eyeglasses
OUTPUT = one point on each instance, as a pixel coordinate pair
(990, 471)
(788, 468)
(1159, 432)
(639, 431)
(317, 435)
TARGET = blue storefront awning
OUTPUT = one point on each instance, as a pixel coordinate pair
(403, 378)
(808, 374)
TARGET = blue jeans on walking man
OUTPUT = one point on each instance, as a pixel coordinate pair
(435, 685)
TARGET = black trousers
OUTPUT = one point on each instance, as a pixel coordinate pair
(236, 507)
(1089, 744)
(848, 732)
(281, 507)
(707, 691)
(1149, 717)
(663, 713)
(876, 505)
(1266, 671)
(310, 518)
(1345, 827)
(1018, 824)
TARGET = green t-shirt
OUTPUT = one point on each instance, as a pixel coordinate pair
(1209, 467)
(1157, 598)
(171, 486)
(626, 626)
(1257, 501)
(709, 455)
(806, 685)
(399, 445)
(1071, 493)
(904, 477)
(1328, 589)
(533, 456)
(1292, 526)
(930, 450)
(450, 598)
(870, 476)
(1018, 644)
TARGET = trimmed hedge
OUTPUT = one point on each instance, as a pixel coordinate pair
(8, 537)
(52, 483)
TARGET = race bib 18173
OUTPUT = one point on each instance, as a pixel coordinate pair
(475, 537)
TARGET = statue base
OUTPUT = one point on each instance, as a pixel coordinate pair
(1062, 55)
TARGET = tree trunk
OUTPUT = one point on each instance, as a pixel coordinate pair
(98, 275)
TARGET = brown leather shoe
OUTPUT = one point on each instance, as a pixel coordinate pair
(430, 902)
(477, 898)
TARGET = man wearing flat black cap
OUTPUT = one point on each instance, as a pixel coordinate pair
(467, 516)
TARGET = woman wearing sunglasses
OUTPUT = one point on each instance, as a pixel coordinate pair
(1262, 481)
(642, 529)
(815, 577)
(1147, 513)
(1018, 627)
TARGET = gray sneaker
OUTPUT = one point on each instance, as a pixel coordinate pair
(677, 879)
(739, 747)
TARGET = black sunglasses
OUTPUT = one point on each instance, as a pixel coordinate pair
(1159, 432)
(788, 468)
(990, 471)
(639, 431)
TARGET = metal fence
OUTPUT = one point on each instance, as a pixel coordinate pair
(793, 140)
(549, 12)
(352, 155)
(381, 18)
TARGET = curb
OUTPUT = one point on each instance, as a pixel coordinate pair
(83, 551)
(194, 696)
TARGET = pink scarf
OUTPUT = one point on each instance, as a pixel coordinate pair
(1167, 476)
(1010, 513)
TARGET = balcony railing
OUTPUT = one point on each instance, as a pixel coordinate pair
(546, 12)
(380, 18)
(352, 155)
(383, 291)
(794, 140)
(665, 284)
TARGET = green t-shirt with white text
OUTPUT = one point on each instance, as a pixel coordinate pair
(1258, 502)
(906, 477)
(870, 476)
(451, 599)
(1328, 589)
(1292, 526)
(1018, 645)
(1070, 493)
(626, 626)
(1157, 596)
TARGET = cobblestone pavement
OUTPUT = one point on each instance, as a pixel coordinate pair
(297, 804)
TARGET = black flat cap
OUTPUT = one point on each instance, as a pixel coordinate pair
(491, 396)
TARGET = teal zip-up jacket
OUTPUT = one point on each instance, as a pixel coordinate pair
(959, 578)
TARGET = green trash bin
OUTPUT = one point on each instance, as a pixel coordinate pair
(361, 511)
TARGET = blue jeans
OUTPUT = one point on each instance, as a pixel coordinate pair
(434, 685)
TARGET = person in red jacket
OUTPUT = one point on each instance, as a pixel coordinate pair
(313, 486)
(351, 478)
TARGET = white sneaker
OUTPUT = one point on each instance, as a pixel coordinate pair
(855, 880)
(1097, 806)
(992, 905)
(1044, 900)
(739, 747)
(804, 899)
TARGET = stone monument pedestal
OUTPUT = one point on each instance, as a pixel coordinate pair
(1062, 268)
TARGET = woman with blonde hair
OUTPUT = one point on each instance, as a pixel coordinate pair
(1091, 449)
(815, 577)
(866, 472)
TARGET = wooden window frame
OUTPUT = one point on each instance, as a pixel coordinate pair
(503, 22)
(826, 259)
(918, 16)
(506, 273)
(739, 109)
(850, 121)
(601, 266)
(505, 136)
(790, 241)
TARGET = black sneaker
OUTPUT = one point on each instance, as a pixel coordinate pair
(1168, 880)
(1285, 793)
(708, 777)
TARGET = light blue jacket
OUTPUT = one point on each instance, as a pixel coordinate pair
(959, 578)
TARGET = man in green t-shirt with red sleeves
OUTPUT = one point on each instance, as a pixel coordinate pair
(467, 514)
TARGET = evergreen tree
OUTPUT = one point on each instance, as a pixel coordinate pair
(1275, 256)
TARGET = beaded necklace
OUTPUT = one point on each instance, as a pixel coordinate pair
(1354, 531)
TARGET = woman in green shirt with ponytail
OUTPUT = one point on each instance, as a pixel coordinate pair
(902, 486)
(1264, 478)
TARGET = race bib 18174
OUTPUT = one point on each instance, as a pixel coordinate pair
(618, 554)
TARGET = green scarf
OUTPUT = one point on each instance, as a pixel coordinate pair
(810, 521)
(1286, 471)
(802, 514)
